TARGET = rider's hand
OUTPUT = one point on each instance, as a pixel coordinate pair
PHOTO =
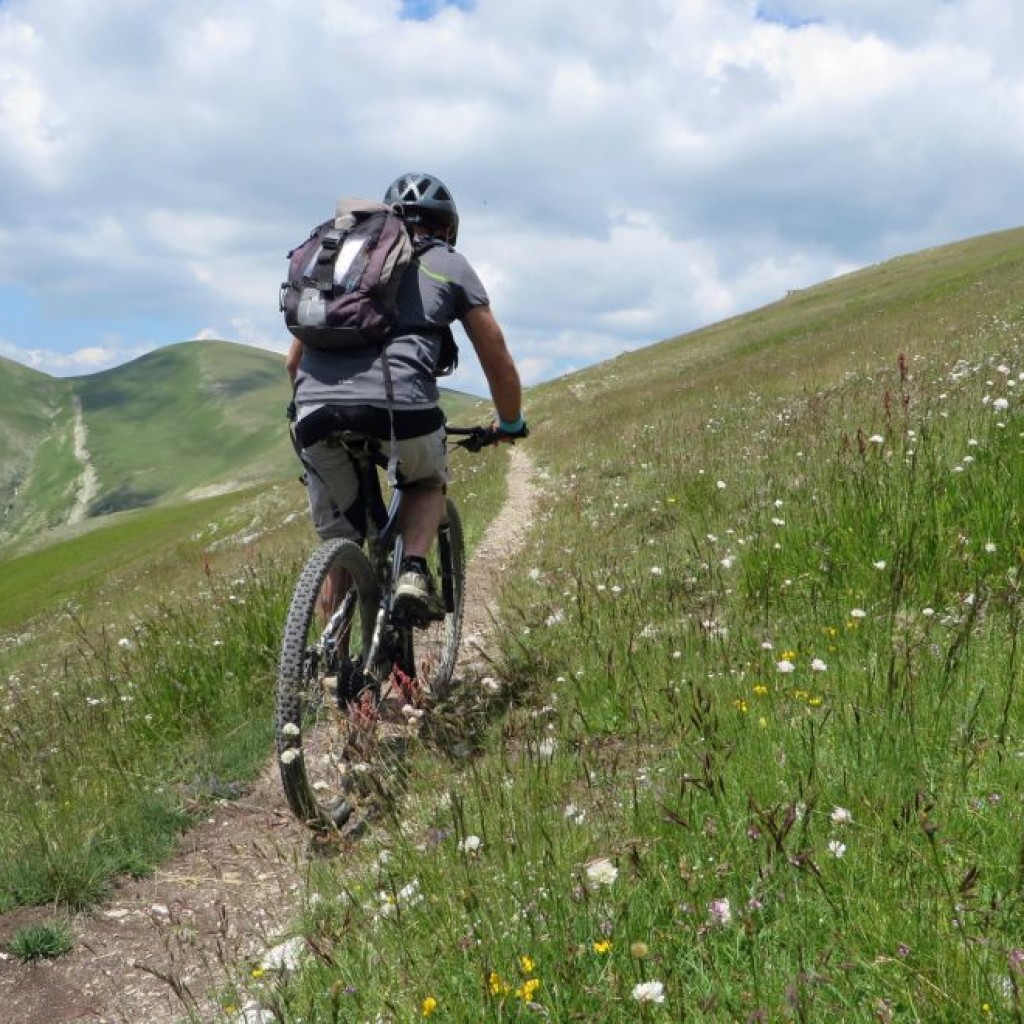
(510, 432)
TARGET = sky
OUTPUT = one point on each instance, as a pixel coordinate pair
(625, 170)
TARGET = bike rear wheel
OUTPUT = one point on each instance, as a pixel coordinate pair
(320, 671)
(429, 651)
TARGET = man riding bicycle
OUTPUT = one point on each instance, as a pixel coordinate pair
(350, 389)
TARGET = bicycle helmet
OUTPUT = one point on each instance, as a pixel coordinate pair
(423, 199)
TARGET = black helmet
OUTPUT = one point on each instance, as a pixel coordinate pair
(425, 200)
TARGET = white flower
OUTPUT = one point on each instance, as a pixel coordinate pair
(786, 666)
(720, 485)
(817, 665)
(927, 612)
(288, 756)
(602, 871)
(1001, 404)
(858, 613)
(471, 844)
(841, 816)
(876, 439)
(656, 570)
(990, 548)
(836, 848)
(649, 992)
(546, 748)
(727, 562)
(880, 564)
(291, 729)
(125, 644)
(575, 814)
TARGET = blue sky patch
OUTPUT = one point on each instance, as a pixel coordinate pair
(777, 12)
(424, 10)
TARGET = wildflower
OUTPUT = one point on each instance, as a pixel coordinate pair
(786, 666)
(288, 756)
(841, 816)
(603, 946)
(602, 871)
(429, 1006)
(471, 844)
(656, 570)
(740, 705)
(817, 665)
(761, 690)
(528, 990)
(526, 963)
(125, 644)
(497, 985)
(291, 729)
(649, 992)
(640, 950)
(836, 848)
(880, 564)
(927, 612)
(720, 911)
(546, 748)
(858, 613)
(1001, 405)
(720, 485)
(876, 439)
(575, 814)
(990, 548)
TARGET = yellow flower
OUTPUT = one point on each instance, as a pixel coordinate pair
(788, 655)
(497, 985)
(256, 972)
(429, 1006)
(740, 704)
(526, 963)
(761, 690)
(603, 946)
(528, 989)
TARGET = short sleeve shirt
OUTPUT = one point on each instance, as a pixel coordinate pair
(438, 288)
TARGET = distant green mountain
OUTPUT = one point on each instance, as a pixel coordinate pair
(186, 421)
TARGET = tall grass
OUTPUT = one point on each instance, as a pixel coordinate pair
(762, 662)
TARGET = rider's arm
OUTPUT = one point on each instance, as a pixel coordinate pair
(502, 377)
(293, 359)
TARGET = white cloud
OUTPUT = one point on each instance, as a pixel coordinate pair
(625, 169)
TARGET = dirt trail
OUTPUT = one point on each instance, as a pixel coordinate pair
(230, 893)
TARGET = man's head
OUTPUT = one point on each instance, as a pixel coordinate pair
(425, 200)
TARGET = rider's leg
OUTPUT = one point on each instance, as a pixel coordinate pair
(419, 518)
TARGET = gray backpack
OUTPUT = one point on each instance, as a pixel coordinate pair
(343, 280)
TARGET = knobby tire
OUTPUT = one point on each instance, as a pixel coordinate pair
(313, 685)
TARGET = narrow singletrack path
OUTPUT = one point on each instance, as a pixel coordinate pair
(168, 942)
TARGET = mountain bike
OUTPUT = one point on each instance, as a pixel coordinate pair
(337, 663)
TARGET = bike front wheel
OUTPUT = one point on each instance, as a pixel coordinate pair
(430, 650)
(327, 633)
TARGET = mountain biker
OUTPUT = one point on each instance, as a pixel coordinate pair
(347, 389)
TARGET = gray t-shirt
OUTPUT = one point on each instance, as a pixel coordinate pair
(438, 288)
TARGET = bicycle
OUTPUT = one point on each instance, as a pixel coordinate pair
(331, 678)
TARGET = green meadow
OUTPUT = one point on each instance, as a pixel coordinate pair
(751, 741)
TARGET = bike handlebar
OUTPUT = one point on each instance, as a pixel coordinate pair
(475, 439)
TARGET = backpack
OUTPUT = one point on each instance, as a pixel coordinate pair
(343, 280)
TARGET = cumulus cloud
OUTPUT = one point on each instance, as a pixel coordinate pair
(625, 169)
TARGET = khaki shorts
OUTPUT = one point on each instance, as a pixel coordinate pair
(335, 504)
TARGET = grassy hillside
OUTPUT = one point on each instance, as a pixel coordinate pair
(750, 746)
(183, 418)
